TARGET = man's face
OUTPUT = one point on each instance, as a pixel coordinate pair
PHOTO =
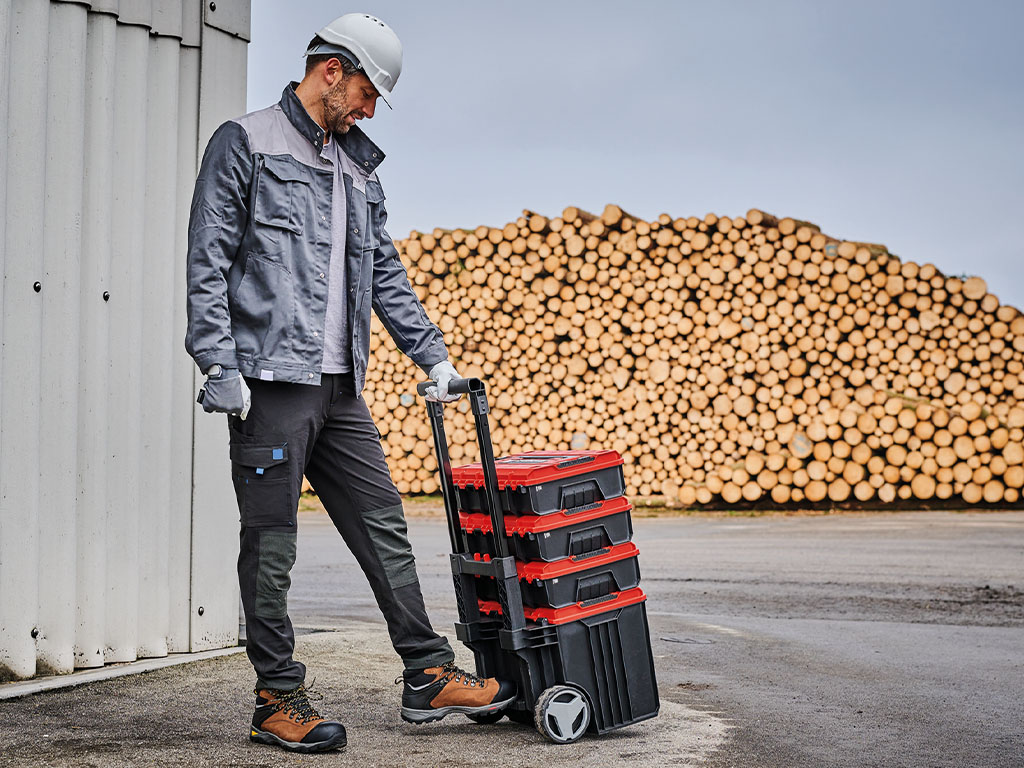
(349, 99)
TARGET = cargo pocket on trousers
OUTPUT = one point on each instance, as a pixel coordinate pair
(263, 484)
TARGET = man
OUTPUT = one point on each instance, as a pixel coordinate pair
(287, 253)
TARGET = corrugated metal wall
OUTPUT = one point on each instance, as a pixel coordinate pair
(117, 519)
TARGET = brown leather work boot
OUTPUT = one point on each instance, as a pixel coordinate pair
(432, 693)
(287, 719)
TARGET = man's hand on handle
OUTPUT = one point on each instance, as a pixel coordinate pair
(442, 373)
(225, 391)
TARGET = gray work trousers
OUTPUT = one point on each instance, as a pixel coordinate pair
(327, 433)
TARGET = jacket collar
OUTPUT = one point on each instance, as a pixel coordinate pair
(356, 144)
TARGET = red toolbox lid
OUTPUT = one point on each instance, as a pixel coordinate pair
(525, 524)
(573, 612)
(541, 571)
(536, 467)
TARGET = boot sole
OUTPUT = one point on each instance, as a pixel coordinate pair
(419, 716)
(265, 737)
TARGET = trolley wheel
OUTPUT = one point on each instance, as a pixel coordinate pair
(486, 718)
(562, 714)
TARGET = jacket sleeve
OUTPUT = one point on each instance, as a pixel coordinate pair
(399, 308)
(216, 225)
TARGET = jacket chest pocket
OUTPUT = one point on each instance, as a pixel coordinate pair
(283, 192)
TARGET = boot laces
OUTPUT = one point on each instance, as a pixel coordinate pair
(296, 704)
(450, 671)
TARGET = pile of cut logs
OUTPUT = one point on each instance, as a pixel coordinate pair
(747, 360)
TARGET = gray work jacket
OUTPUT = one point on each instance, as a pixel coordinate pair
(259, 252)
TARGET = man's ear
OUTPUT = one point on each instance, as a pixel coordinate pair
(332, 71)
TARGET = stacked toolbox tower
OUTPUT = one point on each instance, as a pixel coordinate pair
(547, 580)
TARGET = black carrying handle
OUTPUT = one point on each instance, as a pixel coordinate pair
(455, 386)
(477, 392)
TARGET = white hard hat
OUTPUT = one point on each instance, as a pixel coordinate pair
(373, 43)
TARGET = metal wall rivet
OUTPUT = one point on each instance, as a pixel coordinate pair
(37, 286)
(201, 609)
(35, 632)
(213, 6)
(106, 295)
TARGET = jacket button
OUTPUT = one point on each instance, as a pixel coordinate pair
(321, 275)
(311, 375)
(355, 231)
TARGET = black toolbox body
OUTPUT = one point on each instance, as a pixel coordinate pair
(606, 652)
(599, 646)
(543, 482)
(555, 536)
(573, 580)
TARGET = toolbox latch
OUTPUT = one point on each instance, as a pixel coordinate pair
(574, 462)
(585, 555)
(597, 600)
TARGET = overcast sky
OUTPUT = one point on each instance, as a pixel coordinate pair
(897, 121)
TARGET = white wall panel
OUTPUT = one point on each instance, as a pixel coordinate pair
(179, 538)
(231, 16)
(124, 502)
(105, 6)
(94, 349)
(62, 247)
(22, 338)
(135, 12)
(166, 17)
(191, 22)
(118, 527)
(157, 264)
(5, 36)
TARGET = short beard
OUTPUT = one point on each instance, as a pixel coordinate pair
(336, 107)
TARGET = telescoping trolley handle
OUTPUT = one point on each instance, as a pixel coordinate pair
(465, 567)
(475, 390)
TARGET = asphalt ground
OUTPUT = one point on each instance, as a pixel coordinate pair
(881, 640)
(841, 640)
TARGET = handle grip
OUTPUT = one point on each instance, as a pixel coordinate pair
(455, 386)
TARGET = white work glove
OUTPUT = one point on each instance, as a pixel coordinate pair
(225, 391)
(442, 373)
